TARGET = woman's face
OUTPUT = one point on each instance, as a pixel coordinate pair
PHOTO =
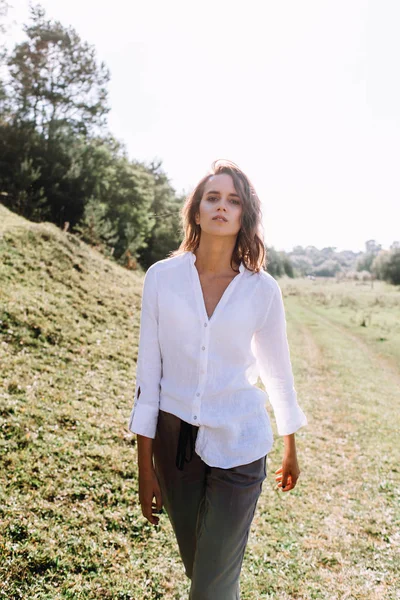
(220, 199)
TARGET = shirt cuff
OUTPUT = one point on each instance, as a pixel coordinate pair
(143, 420)
(288, 424)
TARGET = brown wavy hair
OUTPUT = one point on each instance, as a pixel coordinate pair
(249, 247)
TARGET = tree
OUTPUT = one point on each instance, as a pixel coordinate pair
(56, 103)
(3, 53)
(95, 229)
(328, 268)
(386, 266)
(372, 247)
(393, 267)
(166, 207)
(287, 265)
(365, 260)
(274, 262)
(130, 197)
(19, 172)
(57, 162)
(55, 81)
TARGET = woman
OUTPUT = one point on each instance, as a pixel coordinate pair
(212, 320)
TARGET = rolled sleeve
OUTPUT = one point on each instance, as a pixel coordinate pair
(144, 415)
(273, 357)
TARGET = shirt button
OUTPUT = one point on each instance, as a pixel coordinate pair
(198, 394)
(195, 418)
(203, 347)
(205, 324)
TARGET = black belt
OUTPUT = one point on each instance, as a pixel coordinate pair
(185, 436)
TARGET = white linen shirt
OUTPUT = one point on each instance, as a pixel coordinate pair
(204, 370)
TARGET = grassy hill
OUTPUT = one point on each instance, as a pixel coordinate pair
(70, 524)
(69, 321)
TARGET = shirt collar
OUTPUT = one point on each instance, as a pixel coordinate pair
(193, 259)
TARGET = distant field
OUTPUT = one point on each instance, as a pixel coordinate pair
(70, 524)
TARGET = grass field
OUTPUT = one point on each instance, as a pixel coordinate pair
(70, 524)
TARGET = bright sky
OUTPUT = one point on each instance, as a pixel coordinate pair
(303, 96)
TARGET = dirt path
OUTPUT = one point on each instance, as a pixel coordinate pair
(386, 364)
(337, 535)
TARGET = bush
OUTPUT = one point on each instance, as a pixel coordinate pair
(386, 266)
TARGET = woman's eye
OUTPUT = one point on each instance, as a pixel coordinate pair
(233, 200)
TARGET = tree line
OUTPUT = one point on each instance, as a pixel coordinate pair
(373, 263)
(59, 162)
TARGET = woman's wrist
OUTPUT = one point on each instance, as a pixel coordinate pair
(290, 444)
(145, 454)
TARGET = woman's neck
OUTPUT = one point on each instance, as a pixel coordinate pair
(214, 257)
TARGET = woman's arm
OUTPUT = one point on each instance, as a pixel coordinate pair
(273, 357)
(145, 410)
(149, 487)
(144, 414)
(145, 453)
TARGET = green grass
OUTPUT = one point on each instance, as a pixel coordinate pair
(70, 523)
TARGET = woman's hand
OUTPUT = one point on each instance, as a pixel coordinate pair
(149, 488)
(288, 474)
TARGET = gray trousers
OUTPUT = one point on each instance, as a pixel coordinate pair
(210, 510)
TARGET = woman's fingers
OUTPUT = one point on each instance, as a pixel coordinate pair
(150, 497)
(286, 478)
(151, 510)
(147, 513)
(285, 486)
(289, 481)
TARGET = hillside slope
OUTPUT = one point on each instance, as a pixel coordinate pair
(69, 322)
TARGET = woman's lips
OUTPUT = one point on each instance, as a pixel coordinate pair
(220, 219)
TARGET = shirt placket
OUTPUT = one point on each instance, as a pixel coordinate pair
(205, 334)
(205, 337)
